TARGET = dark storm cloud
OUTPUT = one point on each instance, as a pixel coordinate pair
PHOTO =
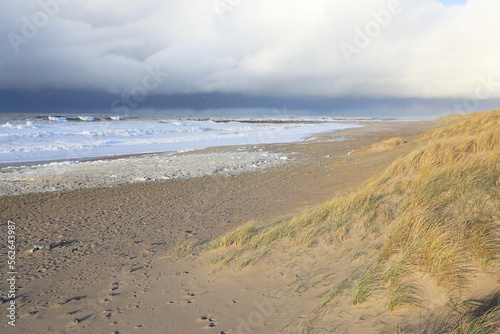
(382, 49)
(70, 101)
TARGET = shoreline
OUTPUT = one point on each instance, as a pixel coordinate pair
(217, 119)
(31, 163)
(70, 176)
(146, 134)
(37, 163)
(111, 171)
(103, 236)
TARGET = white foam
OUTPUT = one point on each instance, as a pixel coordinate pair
(63, 176)
(61, 139)
(29, 124)
(57, 119)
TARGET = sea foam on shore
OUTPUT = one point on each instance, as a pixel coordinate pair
(34, 137)
(72, 175)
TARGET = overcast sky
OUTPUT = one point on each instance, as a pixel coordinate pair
(415, 52)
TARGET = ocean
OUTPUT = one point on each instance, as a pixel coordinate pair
(28, 138)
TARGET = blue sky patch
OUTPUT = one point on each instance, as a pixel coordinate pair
(453, 2)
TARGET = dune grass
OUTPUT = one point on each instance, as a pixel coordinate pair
(434, 211)
(182, 248)
(406, 294)
(366, 285)
(471, 317)
(389, 143)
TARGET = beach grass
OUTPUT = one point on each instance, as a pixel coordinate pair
(182, 248)
(435, 211)
(385, 144)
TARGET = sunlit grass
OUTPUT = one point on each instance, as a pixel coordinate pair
(484, 323)
(182, 248)
(435, 211)
(366, 285)
(389, 143)
(405, 295)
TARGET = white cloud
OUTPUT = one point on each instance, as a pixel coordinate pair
(272, 47)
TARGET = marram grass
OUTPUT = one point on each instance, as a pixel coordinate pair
(435, 211)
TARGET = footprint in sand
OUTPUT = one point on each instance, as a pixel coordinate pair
(69, 300)
(109, 297)
(107, 313)
(188, 296)
(77, 321)
(71, 313)
(209, 321)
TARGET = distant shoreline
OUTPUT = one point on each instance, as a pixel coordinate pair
(35, 139)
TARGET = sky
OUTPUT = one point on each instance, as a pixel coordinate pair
(407, 57)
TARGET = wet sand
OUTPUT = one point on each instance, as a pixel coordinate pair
(109, 271)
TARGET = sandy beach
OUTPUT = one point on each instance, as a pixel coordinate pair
(111, 269)
(249, 167)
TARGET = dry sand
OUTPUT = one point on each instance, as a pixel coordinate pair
(109, 270)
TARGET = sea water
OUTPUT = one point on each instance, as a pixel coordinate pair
(46, 137)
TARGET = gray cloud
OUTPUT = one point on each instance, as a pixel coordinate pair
(414, 49)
